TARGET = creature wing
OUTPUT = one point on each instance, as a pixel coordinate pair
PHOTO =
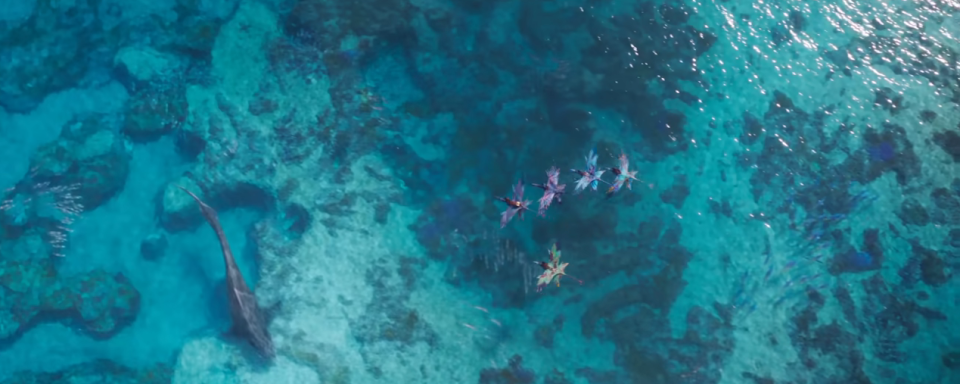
(551, 191)
(519, 205)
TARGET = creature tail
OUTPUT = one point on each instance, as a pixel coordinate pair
(566, 275)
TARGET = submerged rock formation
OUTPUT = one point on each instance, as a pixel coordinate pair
(97, 303)
(97, 371)
(88, 154)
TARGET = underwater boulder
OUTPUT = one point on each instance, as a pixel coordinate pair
(177, 210)
(153, 246)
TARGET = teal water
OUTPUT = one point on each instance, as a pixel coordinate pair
(795, 216)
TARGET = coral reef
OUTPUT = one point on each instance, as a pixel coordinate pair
(153, 246)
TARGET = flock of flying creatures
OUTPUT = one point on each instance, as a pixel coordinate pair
(553, 270)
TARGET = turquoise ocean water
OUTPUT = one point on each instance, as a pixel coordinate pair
(794, 215)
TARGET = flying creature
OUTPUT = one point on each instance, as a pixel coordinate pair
(551, 190)
(591, 176)
(515, 204)
(623, 175)
(553, 270)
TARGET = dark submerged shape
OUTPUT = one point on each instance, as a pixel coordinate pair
(248, 320)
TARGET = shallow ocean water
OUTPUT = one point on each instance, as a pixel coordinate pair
(795, 216)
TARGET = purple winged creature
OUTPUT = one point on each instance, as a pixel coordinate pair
(552, 190)
(515, 204)
(623, 175)
(591, 176)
